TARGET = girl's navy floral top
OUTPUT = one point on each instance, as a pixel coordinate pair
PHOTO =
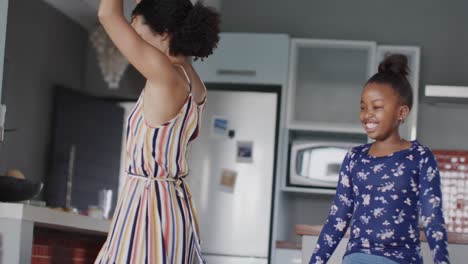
(384, 196)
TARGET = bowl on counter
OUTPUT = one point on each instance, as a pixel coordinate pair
(15, 190)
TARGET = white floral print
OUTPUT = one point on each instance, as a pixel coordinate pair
(390, 191)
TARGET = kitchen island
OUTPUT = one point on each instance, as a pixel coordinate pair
(458, 245)
(30, 234)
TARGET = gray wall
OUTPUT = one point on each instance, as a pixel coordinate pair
(45, 48)
(438, 27)
(129, 87)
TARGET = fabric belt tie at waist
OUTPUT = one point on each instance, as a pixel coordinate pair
(177, 181)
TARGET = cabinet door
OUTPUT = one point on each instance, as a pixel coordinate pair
(86, 147)
(326, 78)
(247, 58)
(409, 129)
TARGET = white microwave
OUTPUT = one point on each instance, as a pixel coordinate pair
(317, 163)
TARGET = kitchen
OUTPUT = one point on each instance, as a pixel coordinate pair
(69, 59)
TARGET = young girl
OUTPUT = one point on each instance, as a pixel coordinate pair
(384, 184)
(154, 220)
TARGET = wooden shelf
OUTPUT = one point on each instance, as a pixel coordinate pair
(314, 230)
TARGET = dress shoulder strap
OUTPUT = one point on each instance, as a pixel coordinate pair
(186, 75)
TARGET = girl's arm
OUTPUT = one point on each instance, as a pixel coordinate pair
(430, 197)
(148, 60)
(339, 217)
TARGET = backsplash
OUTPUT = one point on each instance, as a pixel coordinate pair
(51, 246)
(453, 167)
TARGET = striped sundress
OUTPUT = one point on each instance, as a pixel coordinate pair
(154, 220)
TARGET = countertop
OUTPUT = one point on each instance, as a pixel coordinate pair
(288, 245)
(314, 230)
(46, 217)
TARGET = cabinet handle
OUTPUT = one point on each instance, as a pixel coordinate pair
(237, 72)
(71, 171)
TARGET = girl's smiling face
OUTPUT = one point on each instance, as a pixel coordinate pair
(381, 111)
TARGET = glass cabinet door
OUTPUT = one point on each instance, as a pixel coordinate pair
(326, 80)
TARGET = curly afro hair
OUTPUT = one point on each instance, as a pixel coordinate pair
(194, 29)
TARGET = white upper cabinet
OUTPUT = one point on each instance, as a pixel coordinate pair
(247, 58)
(326, 78)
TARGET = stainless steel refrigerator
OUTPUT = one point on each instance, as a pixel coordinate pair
(232, 168)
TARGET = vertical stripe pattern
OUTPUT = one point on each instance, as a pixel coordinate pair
(154, 220)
